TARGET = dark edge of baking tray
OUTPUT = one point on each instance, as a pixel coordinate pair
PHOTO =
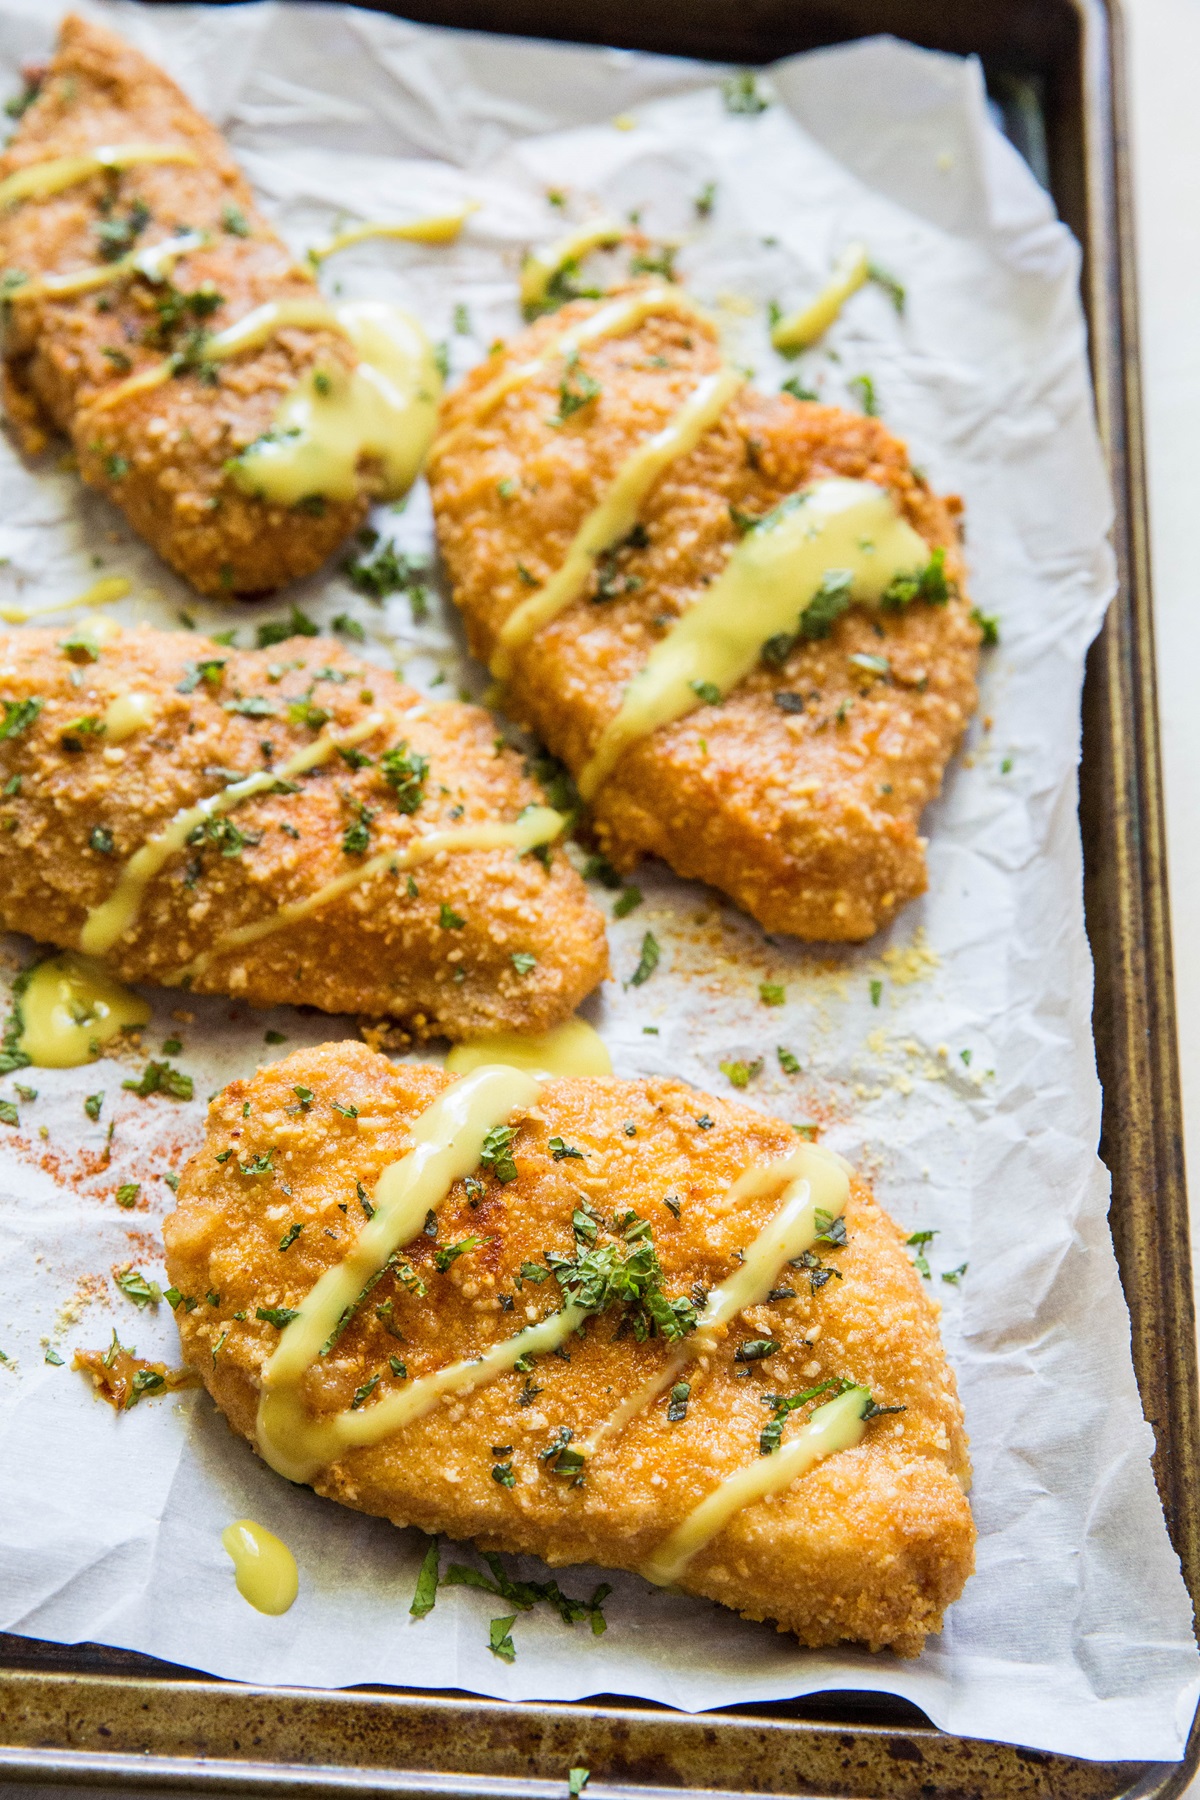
(89, 1716)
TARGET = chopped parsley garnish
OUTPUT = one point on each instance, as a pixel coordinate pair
(500, 1638)
(796, 388)
(917, 1241)
(448, 919)
(278, 631)
(356, 839)
(627, 1275)
(279, 1316)
(741, 1074)
(363, 1394)
(818, 1273)
(678, 1403)
(930, 585)
(891, 287)
(451, 1252)
(954, 1276)
(254, 706)
(385, 571)
(291, 1234)
(347, 1111)
(704, 1122)
(19, 715)
(864, 387)
(876, 992)
(705, 200)
(831, 1227)
(523, 961)
(161, 1078)
(575, 391)
(988, 624)
(126, 1195)
(741, 94)
(648, 961)
(53, 1358)
(234, 221)
(772, 993)
(25, 1093)
(349, 627)
(274, 1037)
(560, 1151)
(405, 772)
(397, 1366)
(531, 1271)
(425, 1597)
(783, 1404)
(627, 902)
(708, 691)
(496, 1154)
(788, 1061)
(175, 1299)
(134, 1285)
(209, 670)
(92, 1105)
(755, 1350)
(503, 1473)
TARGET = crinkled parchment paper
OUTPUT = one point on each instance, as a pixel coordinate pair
(952, 1057)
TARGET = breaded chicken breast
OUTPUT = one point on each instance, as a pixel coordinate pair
(161, 454)
(623, 1185)
(410, 809)
(800, 793)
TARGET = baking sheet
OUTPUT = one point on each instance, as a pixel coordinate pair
(952, 1057)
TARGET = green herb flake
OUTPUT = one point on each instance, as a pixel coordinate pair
(19, 715)
(708, 691)
(92, 1105)
(278, 631)
(523, 961)
(772, 993)
(876, 992)
(425, 1597)
(134, 1285)
(741, 1074)
(161, 1078)
(561, 1151)
(279, 1316)
(8, 1113)
(917, 1241)
(742, 96)
(647, 963)
(53, 1358)
(627, 902)
(291, 1234)
(988, 624)
(789, 1062)
(451, 1252)
(127, 1194)
(577, 1780)
(448, 919)
(496, 1154)
(500, 1638)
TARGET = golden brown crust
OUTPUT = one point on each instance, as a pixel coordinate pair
(808, 819)
(159, 455)
(378, 949)
(871, 1545)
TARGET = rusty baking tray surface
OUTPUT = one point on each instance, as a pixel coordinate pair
(86, 1715)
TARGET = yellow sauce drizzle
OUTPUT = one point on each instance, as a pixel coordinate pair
(570, 1049)
(614, 320)
(617, 512)
(108, 588)
(771, 578)
(801, 328)
(156, 263)
(540, 825)
(447, 1139)
(303, 313)
(813, 1180)
(108, 921)
(264, 1568)
(438, 228)
(539, 269)
(59, 172)
(70, 1007)
(384, 408)
(127, 714)
(838, 1425)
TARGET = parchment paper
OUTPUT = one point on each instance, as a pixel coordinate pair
(952, 1057)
